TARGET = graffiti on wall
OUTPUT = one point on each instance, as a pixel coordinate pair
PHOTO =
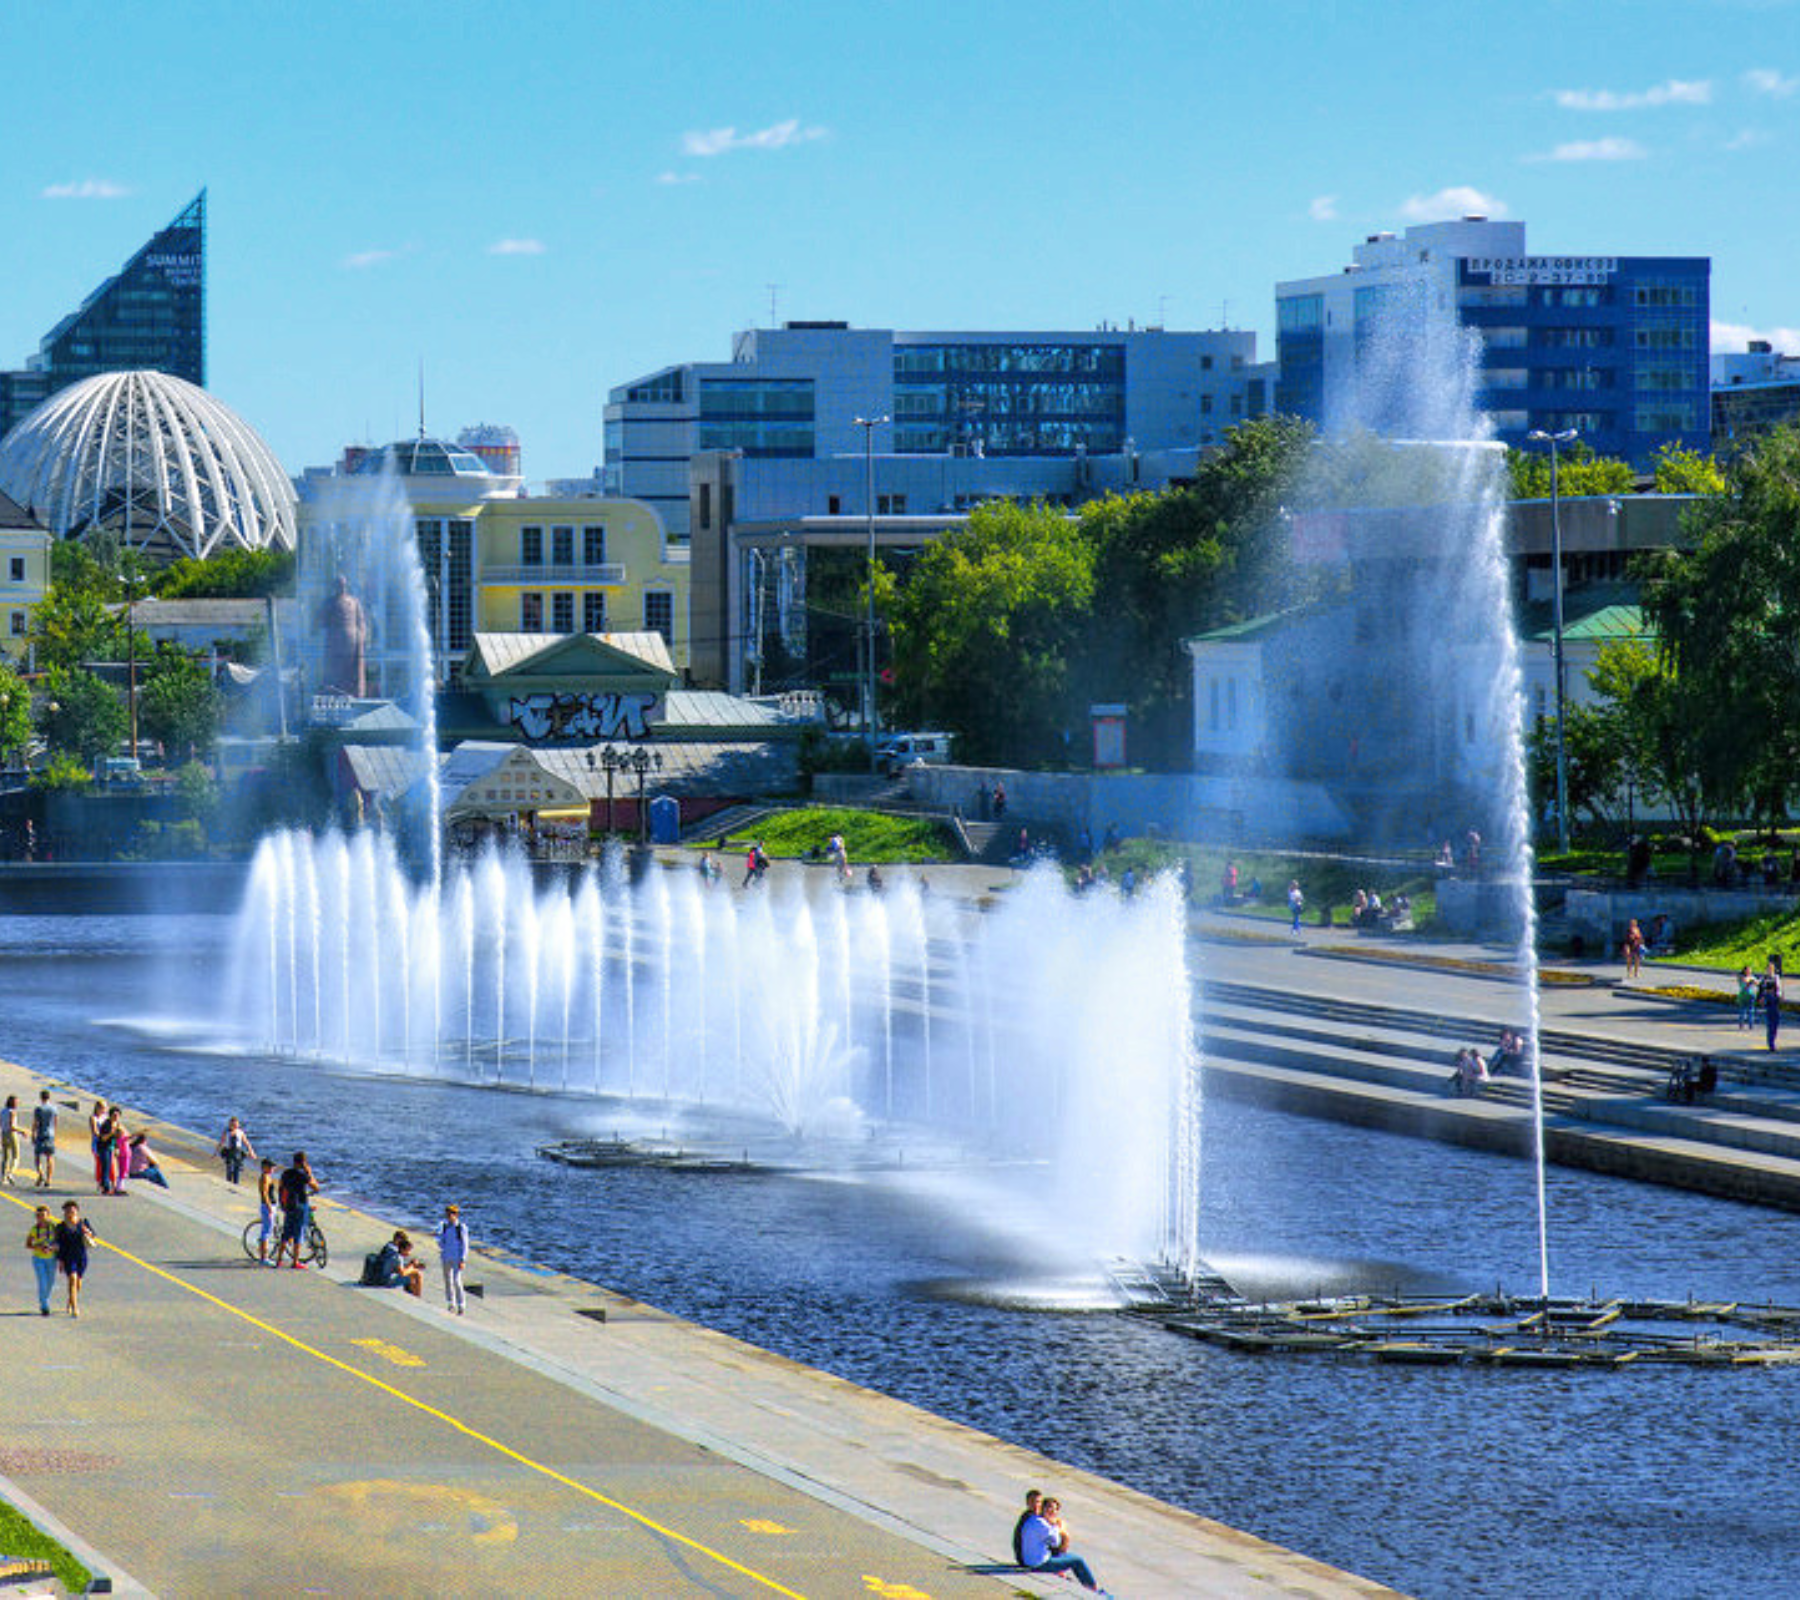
(549, 718)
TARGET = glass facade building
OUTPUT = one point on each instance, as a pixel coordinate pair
(799, 392)
(151, 315)
(1614, 347)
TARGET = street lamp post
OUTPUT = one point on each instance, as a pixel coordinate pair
(132, 581)
(1554, 440)
(868, 426)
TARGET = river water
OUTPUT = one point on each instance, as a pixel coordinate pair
(1441, 1481)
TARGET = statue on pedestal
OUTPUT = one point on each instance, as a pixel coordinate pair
(345, 628)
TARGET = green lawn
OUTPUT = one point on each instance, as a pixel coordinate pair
(19, 1537)
(1730, 945)
(869, 836)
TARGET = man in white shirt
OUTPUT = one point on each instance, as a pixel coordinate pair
(1043, 1548)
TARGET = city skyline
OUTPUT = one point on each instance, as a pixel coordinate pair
(543, 210)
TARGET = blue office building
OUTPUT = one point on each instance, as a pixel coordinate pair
(1613, 347)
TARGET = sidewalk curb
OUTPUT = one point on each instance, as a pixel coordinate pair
(100, 1566)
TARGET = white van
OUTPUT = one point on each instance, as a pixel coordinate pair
(903, 749)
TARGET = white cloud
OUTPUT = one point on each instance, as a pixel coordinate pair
(678, 177)
(721, 141)
(369, 258)
(1736, 336)
(87, 189)
(1676, 92)
(516, 247)
(1745, 139)
(1596, 150)
(1323, 209)
(1766, 80)
(1459, 200)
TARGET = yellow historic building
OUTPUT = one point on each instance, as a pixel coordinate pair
(496, 560)
(24, 576)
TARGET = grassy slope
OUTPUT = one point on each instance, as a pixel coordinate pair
(868, 835)
(18, 1537)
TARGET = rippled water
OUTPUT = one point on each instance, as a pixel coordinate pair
(1440, 1481)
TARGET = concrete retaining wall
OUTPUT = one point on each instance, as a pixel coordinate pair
(1176, 805)
(1600, 915)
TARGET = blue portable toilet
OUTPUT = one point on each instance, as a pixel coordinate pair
(665, 820)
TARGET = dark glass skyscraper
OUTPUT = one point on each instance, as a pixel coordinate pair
(150, 314)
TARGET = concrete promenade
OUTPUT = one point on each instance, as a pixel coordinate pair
(212, 1427)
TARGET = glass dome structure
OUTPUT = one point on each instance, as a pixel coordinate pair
(425, 458)
(153, 459)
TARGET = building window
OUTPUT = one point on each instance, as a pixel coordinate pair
(834, 505)
(706, 505)
(890, 505)
(531, 613)
(593, 613)
(1206, 405)
(593, 546)
(531, 547)
(18, 624)
(1206, 363)
(562, 613)
(18, 569)
(659, 614)
(562, 547)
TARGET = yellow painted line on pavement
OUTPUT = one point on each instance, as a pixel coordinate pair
(762, 1525)
(441, 1416)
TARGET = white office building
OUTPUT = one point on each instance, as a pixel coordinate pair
(797, 392)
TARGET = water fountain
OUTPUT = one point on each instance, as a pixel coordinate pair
(838, 1029)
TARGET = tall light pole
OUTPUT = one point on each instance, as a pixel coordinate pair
(1554, 440)
(132, 582)
(868, 426)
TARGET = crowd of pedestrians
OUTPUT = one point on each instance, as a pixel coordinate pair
(119, 1156)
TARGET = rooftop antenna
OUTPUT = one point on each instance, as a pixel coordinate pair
(1224, 314)
(421, 397)
(1162, 310)
(774, 292)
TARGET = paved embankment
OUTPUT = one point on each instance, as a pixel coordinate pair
(217, 1428)
(1303, 1026)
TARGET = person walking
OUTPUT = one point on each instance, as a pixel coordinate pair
(73, 1236)
(1746, 998)
(1633, 948)
(234, 1149)
(9, 1139)
(1296, 904)
(1768, 992)
(41, 1242)
(453, 1251)
(43, 1139)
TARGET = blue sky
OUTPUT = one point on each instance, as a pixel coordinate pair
(542, 200)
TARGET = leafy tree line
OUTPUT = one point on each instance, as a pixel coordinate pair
(1704, 716)
(1007, 630)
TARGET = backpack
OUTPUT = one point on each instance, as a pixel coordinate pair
(371, 1272)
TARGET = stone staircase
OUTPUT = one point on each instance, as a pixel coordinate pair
(1597, 1090)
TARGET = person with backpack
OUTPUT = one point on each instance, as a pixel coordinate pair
(234, 1149)
(295, 1192)
(453, 1251)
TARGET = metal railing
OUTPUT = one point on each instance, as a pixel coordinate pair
(548, 575)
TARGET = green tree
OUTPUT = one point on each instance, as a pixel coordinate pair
(987, 629)
(72, 626)
(82, 714)
(178, 704)
(198, 791)
(229, 575)
(15, 712)
(1727, 615)
(1174, 564)
(1579, 472)
(1681, 471)
(63, 772)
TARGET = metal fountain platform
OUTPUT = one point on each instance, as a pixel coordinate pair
(1491, 1330)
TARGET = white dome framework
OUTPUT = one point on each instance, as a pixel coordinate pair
(153, 459)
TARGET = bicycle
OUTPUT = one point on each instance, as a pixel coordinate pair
(313, 1248)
